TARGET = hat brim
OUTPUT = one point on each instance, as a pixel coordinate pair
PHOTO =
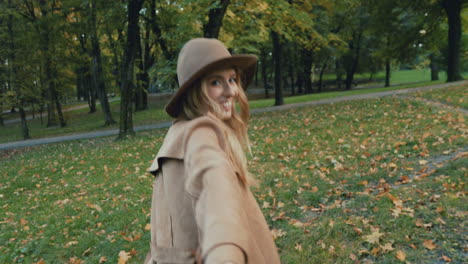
(246, 63)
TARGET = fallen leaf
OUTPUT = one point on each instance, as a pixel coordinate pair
(375, 251)
(429, 244)
(446, 259)
(277, 233)
(102, 259)
(374, 237)
(387, 247)
(298, 247)
(123, 257)
(400, 255)
(71, 243)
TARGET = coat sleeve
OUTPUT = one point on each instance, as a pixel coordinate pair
(217, 193)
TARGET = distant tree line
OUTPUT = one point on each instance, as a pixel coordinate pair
(51, 50)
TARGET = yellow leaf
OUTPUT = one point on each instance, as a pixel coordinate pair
(123, 257)
(446, 259)
(277, 233)
(298, 247)
(429, 244)
(387, 247)
(375, 251)
(374, 237)
(71, 243)
(148, 227)
(400, 255)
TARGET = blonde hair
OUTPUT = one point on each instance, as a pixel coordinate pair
(197, 103)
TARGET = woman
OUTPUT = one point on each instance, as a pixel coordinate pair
(202, 209)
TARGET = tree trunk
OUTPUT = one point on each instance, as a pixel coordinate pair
(24, 124)
(97, 71)
(322, 71)
(355, 46)
(51, 117)
(291, 69)
(387, 72)
(263, 62)
(158, 33)
(453, 9)
(277, 63)
(126, 88)
(339, 73)
(59, 108)
(307, 68)
(13, 75)
(142, 78)
(434, 68)
(215, 19)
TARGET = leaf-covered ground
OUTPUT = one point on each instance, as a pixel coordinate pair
(456, 96)
(369, 181)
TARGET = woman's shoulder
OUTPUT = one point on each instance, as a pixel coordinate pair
(185, 128)
(204, 128)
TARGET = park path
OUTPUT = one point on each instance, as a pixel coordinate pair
(103, 133)
(30, 117)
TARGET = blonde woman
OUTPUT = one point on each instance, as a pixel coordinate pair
(202, 208)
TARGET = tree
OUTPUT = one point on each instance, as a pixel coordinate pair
(97, 68)
(126, 82)
(215, 19)
(453, 9)
(277, 59)
(45, 17)
(13, 72)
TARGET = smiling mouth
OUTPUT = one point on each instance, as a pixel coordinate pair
(227, 106)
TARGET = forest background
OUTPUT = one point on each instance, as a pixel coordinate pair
(58, 52)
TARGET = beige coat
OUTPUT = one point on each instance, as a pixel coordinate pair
(200, 209)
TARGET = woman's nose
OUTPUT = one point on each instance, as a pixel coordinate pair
(229, 90)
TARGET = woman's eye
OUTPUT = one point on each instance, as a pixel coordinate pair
(215, 83)
(233, 80)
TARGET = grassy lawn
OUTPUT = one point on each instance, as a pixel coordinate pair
(366, 181)
(80, 121)
(456, 96)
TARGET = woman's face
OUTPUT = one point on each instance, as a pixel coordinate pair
(222, 88)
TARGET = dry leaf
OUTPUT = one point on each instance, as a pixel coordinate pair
(71, 243)
(387, 247)
(446, 259)
(102, 259)
(298, 247)
(123, 257)
(374, 237)
(429, 244)
(277, 233)
(400, 255)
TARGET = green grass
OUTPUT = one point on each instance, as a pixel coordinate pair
(330, 178)
(456, 96)
(399, 76)
(80, 121)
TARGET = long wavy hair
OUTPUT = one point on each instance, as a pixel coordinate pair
(197, 103)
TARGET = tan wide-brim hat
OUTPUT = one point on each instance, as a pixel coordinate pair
(201, 56)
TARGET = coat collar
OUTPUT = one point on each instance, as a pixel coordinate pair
(175, 141)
